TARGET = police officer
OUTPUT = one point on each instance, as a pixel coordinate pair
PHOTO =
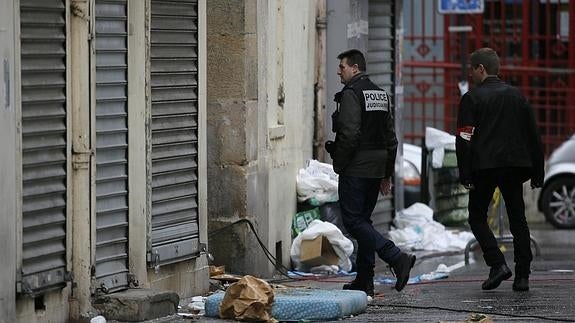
(363, 155)
(498, 145)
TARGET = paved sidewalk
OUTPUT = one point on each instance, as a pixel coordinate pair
(550, 298)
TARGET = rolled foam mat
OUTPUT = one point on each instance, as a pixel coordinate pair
(294, 304)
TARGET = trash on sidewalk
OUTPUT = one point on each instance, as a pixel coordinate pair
(317, 183)
(317, 252)
(250, 298)
(301, 220)
(217, 270)
(197, 306)
(300, 304)
(320, 271)
(98, 319)
(441, 272)
(437, 142)
(342, 246)
(475, 317)
(416, 230)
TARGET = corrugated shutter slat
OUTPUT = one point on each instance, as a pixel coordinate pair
(111, 145)
(44, 144)
(174, 67)
(381, 66)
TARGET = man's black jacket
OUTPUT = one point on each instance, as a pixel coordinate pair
(365, 142)
(496, 128)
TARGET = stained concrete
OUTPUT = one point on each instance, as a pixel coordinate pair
(136, 305)
(550, 297)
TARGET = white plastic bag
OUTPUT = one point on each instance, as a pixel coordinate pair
(317, 183)
(417, 230)
(342, 246)
(437, 141)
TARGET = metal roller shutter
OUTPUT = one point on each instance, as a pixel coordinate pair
(44, 145)
(381, 65)
(174, 78)
(111, 145)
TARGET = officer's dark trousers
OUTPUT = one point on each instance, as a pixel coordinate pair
(510, 182)
(357, 199)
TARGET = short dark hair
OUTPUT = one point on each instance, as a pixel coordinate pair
(486, 57)
(353, 56)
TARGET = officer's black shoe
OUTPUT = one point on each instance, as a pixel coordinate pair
(521, 284)
(363, 281)
(497, 274)
(363, 285)
(401, 268)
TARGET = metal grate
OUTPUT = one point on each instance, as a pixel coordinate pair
(44, 144)
(111, 145)
(536, 43)
(174, 78)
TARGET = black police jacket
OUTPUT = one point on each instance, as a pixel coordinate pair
(496, 128)
(365, 142)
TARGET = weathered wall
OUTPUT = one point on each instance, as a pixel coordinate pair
(8, 162)
(260, 124)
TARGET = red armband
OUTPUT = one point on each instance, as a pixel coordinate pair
(466, 132)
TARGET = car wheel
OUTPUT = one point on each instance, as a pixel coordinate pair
(558, 202)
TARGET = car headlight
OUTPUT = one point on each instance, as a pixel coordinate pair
(410, 174)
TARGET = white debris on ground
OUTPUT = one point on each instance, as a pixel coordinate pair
(416, 230)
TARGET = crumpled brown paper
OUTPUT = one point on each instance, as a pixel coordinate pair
(249, 299)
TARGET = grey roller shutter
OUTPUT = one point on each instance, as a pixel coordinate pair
(381, 65)
(381, 44)
(111, 145)
(174, 77)
(44, 145)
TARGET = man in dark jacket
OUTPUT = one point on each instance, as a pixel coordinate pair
(498, 145)
(364, 156)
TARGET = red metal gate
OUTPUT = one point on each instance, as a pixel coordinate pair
(536, 43)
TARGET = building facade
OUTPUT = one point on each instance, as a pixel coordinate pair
(105, 147)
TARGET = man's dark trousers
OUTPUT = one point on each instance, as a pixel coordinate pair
(357, 199)
(510, 182)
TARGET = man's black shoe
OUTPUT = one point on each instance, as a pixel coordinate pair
(521, 284)
(363, 285)
(497, 274)
(401, 268)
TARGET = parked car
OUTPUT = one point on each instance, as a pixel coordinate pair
(411, 174)
(557, 197)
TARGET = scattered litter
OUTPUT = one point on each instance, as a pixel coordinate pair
(249, 299)
(98, 319)
(566, 271)
(342, 246)
(441, 272)
(339, 273)
(227, 278)
(437, 141)
(217, 270)
(188, 315)
(416, 230)
(197, 306)
(479, 318)
(317, 183)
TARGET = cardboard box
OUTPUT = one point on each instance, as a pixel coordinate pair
(317, 252)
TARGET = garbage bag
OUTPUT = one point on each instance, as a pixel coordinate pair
(249, 299)
(317, 183)
(331, 212)
(437, 142)
(302, 219)
(342, 246)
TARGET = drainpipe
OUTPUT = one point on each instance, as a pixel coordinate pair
(320, 83)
